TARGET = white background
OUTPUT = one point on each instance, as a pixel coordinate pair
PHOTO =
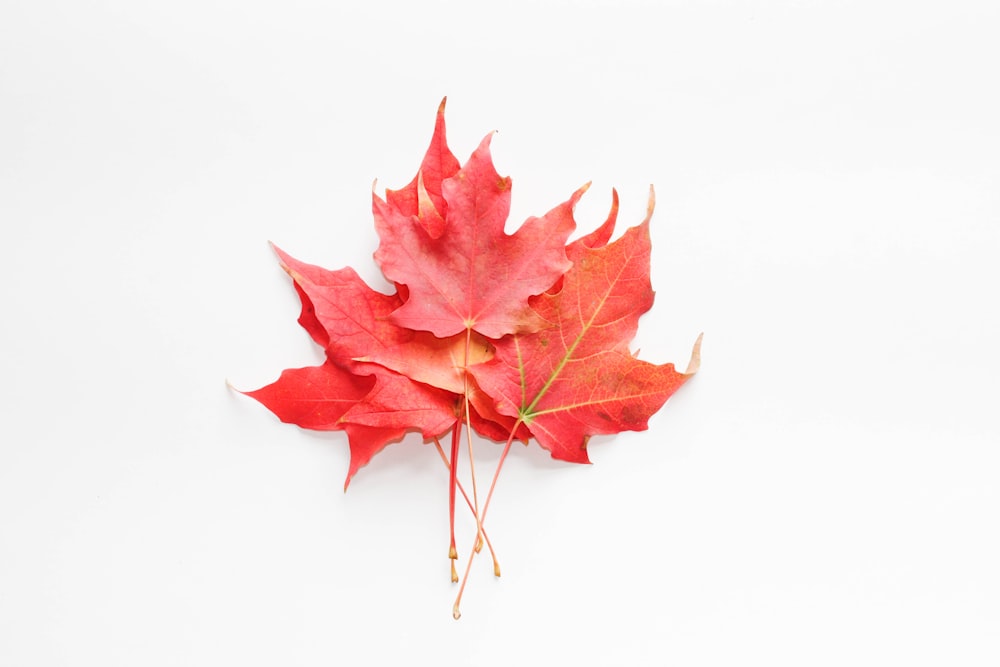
(825, 492)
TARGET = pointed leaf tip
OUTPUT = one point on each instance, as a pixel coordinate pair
(485, 143)
(427, 213)
(695, 363)
(650, 205)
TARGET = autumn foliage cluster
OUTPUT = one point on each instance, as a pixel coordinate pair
(514, 337)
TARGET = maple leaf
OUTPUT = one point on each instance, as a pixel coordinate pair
(341, 312)
(470, 275)
(374, 405)
(577, 377)
(352, 321)
(317, 398)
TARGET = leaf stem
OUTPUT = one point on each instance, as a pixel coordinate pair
(455, 611)
(496, 473)
(452, 483)
(468, 501)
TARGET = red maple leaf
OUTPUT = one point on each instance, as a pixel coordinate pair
(577, 378)
(374, 405)
(317, 398)
(463, 272)
(513, 336)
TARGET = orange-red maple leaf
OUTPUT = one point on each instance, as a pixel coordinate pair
(577, 378)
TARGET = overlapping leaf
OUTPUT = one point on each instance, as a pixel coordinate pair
(577, 378)
(472, 275)
(374, 405)
(318, 397)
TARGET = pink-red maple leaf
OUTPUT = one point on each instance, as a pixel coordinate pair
(463, 272)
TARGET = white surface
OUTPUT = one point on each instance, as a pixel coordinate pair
(825, 492)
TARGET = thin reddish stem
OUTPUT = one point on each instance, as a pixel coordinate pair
(496, 474)
(452, 483)
(468, 502)
(455, 611)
